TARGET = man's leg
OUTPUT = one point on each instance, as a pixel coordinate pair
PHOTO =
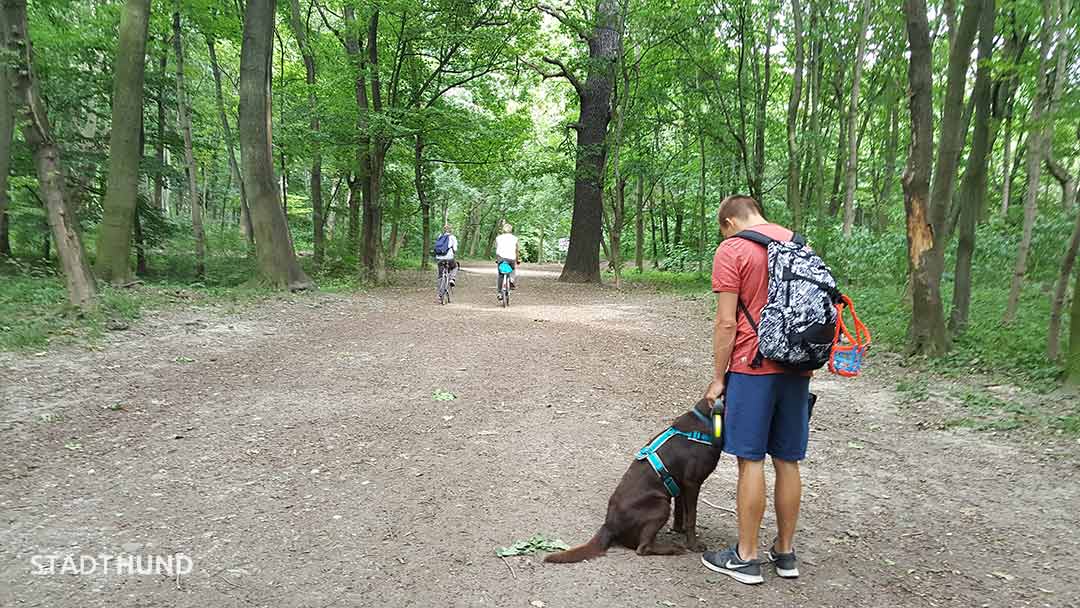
(749, 402)
(787, 446)
(750, 505)
(453, 272)
(787, 500)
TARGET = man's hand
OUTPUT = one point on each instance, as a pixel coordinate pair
(715, 390)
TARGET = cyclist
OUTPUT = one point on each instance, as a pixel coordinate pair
(507, 250)
(445, 250)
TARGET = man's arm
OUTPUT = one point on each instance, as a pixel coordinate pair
(727, 305)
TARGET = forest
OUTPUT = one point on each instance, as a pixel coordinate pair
(930, 151)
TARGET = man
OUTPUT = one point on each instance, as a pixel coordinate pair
(445, 253)
(767, 405)
(507, 250)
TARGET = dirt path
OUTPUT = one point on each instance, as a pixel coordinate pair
(295, 453)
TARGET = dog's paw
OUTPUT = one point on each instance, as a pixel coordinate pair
(696, 547)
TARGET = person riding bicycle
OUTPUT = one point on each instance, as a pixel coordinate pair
(445, 250)
(507, 250)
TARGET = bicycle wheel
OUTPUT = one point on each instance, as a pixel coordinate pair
(506, 291)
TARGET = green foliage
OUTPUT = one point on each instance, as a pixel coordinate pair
(537, 542)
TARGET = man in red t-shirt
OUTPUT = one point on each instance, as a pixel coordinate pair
(767, 405)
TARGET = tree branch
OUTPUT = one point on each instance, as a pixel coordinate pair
(563, 72)
(565, 19)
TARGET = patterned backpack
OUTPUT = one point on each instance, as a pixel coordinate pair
(801, 322)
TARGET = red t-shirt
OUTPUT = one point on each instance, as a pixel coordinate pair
(741, 266)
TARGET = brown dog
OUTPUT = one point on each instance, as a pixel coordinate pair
(641, 503)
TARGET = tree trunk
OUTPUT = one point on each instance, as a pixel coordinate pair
(184, 117)
(793, 198)
(1058, 302)
(82, 291)
(701, 203)
(372, 264)
(1037, 138)
(952, 133)
(317, 212)
(125, 148)
(605, 43)
(277, 262)
(891, 145)
(838, 167)
(973, 186)
(760, 115)
(639, 224)
(425, 205)
(234, 167)
(853, 108)
(1072, 362)
(7, 131)
(1006, 163)
(159, 145)
(927, 330)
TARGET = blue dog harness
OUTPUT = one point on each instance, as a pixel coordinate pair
(648, 453)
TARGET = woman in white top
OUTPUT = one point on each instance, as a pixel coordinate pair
(507, 250)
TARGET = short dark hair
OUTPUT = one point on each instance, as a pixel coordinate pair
(740, 206)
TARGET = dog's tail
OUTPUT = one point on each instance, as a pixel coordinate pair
(596, 547)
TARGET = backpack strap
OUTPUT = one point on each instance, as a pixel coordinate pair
(756, 363)
(754, 236)
(761, 239)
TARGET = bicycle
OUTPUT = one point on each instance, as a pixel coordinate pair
(504, 283)
(445, 287)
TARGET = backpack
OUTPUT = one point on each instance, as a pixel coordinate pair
(801, 320)
(442, 245)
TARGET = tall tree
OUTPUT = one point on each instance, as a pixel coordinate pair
(973, 186)
(853, 108)
(273, 247)
(604, 40)
(926, 332)
(230, 149)
(82, 291)
(953, 126)
(125, 145)
(183, 112)
(793, 199)
(7, 131)
(315, 185)
(1049, 89)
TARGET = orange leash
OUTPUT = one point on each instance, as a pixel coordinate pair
(848, 349)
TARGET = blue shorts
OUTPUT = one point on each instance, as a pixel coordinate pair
(767, 414)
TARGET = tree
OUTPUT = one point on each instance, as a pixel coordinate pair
(793, 195)
(926, 332)
(125, 146)
(1049, 90)
(273, 246)
(7, 131)
(973, 186)
(234, 167)
(853, 147)
(308, 54)
(594, 96)
(82, 291)
(183, 112)
(1072, 363)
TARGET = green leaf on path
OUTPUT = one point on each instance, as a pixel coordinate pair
(538, 542)
(441, 395)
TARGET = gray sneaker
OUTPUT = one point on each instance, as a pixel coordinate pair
(727, 561)
(787, 565)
